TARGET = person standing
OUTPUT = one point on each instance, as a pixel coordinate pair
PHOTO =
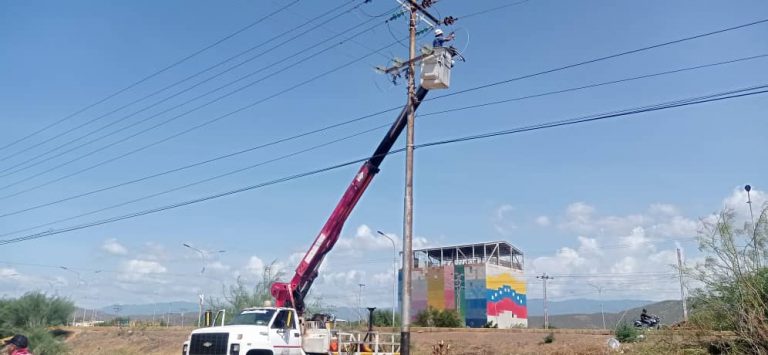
(17, 345)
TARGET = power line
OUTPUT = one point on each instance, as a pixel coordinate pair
(673, 104)
(687, 102)
(206, 123)
(326, 128)
(269, 66)
(497, 8)
(140, 81)
(198, 182)
(604, 83)
(599, 59)
(478, 87)
(164, 89)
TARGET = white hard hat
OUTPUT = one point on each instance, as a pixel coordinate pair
(438, 32)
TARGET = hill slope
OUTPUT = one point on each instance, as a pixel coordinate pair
(670, 311)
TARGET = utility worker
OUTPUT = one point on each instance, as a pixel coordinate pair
(440, 40)
(17, 345)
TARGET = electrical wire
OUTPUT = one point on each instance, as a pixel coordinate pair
(361, 118)
(198, 182)
(544, 72)
(727, 95)
(603, 58)
(599, 59)
(497, 8)
(604, 83)
(687, 102)
(206, 123)
(244, 77)
(220, 63)
(146, 78)
(326, 128)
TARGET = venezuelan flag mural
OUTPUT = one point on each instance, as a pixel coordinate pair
(506, 296)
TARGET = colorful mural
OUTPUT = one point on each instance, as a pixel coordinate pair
(480, 292)
(506, 297)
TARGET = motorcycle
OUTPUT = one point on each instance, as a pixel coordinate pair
(652, 321)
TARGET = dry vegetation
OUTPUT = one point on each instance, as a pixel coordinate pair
(162, 341)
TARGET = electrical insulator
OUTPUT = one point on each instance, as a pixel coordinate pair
(449, 20)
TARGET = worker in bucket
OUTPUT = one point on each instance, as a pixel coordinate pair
(17, 345)
(440, 40)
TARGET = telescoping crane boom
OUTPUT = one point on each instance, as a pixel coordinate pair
(292, 294)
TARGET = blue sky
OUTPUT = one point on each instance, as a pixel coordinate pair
(540, 191)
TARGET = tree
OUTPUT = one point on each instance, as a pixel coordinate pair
(383, 318)
(734, 276)
(431, 317)
(35, 309)
(31, 315)
(240, 296)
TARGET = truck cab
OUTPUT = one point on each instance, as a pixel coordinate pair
(254, 331)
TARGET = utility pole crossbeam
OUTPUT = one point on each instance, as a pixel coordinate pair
(682, 288)
(544, 278)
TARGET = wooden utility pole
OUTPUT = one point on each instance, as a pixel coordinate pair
(682, 288)
(405, 330)
(544, 277)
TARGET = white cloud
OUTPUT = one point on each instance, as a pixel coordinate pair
(154, 251)
(663, 209)
(627, 255)
(8, 272)
(145, 267)
(502, 221)
(543, 221)
(217, 266)
(142, 270)
(111, 246)
(255, 266)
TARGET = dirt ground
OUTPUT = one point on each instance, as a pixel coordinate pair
(162, 341)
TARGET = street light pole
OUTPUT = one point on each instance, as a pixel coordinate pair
(203, 254)
(600, 293)
(360, 301)
(394, 275)
(748, 188)
(79, 281)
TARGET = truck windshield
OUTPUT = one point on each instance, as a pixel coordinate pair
(254, 317)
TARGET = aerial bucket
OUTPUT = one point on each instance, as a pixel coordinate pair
(436, 69)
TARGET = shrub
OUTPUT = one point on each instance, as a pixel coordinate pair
(549, 339)
(734, 295)
(431, 317)
(626, 333)
(31, 315)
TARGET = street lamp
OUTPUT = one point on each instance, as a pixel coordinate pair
(360, 302)
(203, 254)
(600, 293)
(748, 188)
(394, 274)
(79, 282)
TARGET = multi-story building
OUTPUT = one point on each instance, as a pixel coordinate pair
(484, 282)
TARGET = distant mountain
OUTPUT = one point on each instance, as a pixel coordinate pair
(579, 306)
(670, 311)
(151, 308)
